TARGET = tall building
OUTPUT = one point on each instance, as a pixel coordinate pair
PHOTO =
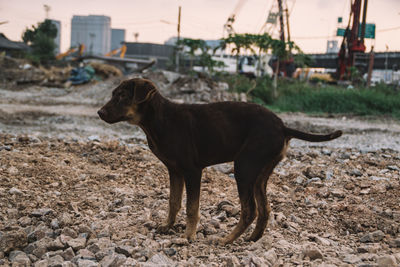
(57, 40)
(93, 31)
(117, 37)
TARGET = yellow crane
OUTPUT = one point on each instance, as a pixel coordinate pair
(80, 49)
(121, 50)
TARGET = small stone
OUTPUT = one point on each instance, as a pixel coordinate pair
(69, 232)
(87, 263)
(373, 237)
(94, 138)
(55, 261)
(104, 252)
(378, 178)
(25, 221)
(54, 224)
(393, 168)
(65, 219)
(13, 240)
(351, 259)
(329, 175)
(36, 235)
(313, 180)
(94, 248)
(68, 254)
(42, 263)
(312, 253)
(320, 240)
(77, 243)
(356, 172)
(12, 170)
(19, 258)
(125, 250)
(41, 212)
(130, 262)
(326, 151)
(7, 148)
(180, 241)
(338, 193)
(300, 180)
(56, 244)
(386, 261)
(170, 251)
(70, 264)
(271, 257)
(232, 261)
(395, 243)
(113, 260)
(15, 191)
(86, 254)
(160, 259)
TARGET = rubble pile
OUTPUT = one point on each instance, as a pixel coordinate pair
(17, 72)
(105, 71)
(189, 89)
(65, 202)
(20, 72)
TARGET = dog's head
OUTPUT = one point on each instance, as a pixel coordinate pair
(126, 101)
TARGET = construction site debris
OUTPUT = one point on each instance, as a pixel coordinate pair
(105, 70)
(81, 75)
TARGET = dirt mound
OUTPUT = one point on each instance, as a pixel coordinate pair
(100, 202)
(105, 70)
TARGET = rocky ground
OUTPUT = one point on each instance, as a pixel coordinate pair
(77, 192)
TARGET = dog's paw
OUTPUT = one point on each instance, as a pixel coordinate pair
(164, 228)
(223, 241)
(190, 236)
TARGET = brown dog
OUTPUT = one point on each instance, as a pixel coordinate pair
(189, 137)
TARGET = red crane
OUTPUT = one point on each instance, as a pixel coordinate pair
(353, 40)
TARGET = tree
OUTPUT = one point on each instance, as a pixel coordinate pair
(240, 41)
(41, 40)
(205, 58)
(193, 45)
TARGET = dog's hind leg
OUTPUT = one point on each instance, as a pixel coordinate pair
(176, 183)
(192, 183)
(263, 207)
(245, 174)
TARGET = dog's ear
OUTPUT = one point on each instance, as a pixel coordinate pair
(142, 90)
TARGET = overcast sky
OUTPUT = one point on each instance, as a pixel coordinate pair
(312, 22)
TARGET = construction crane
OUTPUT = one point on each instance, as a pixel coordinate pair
(279, 14)
(353, 41)
(80, 49)
(228, 26)
(121, 50)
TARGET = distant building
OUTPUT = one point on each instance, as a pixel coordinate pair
(93, 31)
(57, 40)
(163, 53)
(11, 48)
(332, 47)
(117, 37)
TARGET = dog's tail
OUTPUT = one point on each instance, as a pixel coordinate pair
(292, 133)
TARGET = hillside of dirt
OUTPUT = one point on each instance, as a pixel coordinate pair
(75, 191)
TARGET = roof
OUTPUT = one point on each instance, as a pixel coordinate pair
(5, 43)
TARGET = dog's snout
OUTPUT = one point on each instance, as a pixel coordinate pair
(102, 113)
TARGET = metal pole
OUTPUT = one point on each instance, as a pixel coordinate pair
(178, 40)
(281, 21)
(370, 66)
(363, 25)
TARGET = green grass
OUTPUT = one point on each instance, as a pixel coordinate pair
(294, 96)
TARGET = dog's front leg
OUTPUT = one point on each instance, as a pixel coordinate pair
(192, 182)
(176, 183)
